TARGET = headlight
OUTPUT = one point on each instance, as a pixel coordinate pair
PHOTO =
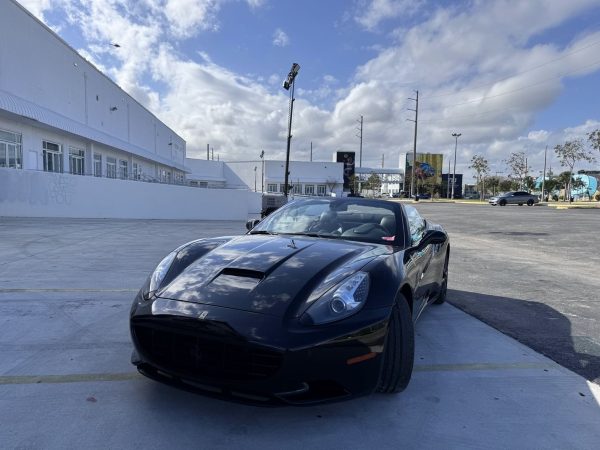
(161, 270)
(347, 299)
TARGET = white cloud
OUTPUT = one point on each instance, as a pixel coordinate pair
(187, 17)
(280, 39)
(474, 69)
(370, 14)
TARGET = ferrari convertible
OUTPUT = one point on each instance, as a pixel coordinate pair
(314, 303)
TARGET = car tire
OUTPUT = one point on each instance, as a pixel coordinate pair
(502, 202)
(441, 298)
(530, 202)
(398, 351)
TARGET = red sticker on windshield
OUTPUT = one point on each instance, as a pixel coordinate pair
(388, 238)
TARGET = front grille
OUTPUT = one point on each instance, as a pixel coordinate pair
(201, 353)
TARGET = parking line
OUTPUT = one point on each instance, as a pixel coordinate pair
(73, 378)
(17, 290)
(129, 376)
(481, 366)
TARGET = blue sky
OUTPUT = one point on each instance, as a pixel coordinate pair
(509, 75)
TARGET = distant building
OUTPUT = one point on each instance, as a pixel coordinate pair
(428, 171)
(314, 178)
(446, 187)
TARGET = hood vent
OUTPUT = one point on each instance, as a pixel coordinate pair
(243, 273)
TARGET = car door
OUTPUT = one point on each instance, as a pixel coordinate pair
(417, 259)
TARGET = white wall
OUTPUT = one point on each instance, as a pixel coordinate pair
(25, 193)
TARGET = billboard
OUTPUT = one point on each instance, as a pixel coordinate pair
(348, 159)
(428, 169)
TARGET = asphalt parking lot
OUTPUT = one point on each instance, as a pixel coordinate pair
(66, 381)
(530, 272)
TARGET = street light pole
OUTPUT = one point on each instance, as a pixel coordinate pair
(456, 136)
(289, 82)
(262, 172)
(254, 178)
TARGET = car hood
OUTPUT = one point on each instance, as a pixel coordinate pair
(269, 274)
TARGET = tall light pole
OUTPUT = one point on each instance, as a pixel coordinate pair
(254, 178)
(287, 83)
(262, 172)
(456, 136)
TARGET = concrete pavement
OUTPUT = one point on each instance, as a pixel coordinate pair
(66, 381)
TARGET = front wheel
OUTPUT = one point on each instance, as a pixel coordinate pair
(502, 202)
(530, 202)
(441, 298)
(398, 350)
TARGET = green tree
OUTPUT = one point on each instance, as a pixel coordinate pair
(594, 139)
(480, 165)
(506, 185)
(529, 183)
(517, 163)
(569, 154)
(374, 182)
(493, 183)
(563, 180)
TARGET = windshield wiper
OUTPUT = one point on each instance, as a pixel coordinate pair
(313, 234)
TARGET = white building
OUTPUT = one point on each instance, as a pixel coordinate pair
(62, 119)
(306, 177)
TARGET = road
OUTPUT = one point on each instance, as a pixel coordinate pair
(530, 272)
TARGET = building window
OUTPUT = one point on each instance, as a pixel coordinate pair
(321, 189)
(281, 187)
(52, 157)
(297, 189)
(123, 170)
(169, 177)
(76, 161)
(11, 150)
(111, 167)
(135, 171)
(309, 189)
(203, 184)
(97, 165)
(271, 187)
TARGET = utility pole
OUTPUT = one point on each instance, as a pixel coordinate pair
(207, 152)
(360, 136)
(456, 136)
(544, 175)
(448, 192)
(212, 152)
(382, 159)
(414, 164)
(311, 151)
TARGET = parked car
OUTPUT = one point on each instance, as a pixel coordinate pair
(315, 303)
(514, 198)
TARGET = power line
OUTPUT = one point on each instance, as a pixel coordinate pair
(473, 100)
(445, 94)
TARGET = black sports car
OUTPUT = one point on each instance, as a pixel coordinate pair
(316, 302)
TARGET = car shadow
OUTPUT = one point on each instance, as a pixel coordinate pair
(536, 325)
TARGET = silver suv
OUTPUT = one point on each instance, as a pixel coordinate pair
(514, 198)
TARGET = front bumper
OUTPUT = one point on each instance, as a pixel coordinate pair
(254, 357)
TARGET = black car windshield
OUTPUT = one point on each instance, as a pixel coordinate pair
(348, 218)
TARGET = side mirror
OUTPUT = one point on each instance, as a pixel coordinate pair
(252, 223)
(434, 237)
